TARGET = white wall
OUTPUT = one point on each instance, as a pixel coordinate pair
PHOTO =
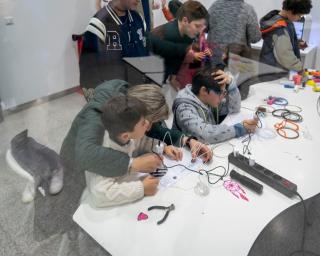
(37, 56)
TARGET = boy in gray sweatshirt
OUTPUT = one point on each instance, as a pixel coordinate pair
(199, 108)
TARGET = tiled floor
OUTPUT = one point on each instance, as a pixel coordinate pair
(48, 123)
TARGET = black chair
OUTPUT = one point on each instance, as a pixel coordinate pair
(284, 234)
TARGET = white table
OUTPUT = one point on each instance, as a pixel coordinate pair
(308, 55)
(218, 224)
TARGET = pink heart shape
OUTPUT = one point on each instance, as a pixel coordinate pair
(142, 216)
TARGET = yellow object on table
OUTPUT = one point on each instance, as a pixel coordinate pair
(311, 83)
(316, 88)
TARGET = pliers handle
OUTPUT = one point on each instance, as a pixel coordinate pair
(169, 208)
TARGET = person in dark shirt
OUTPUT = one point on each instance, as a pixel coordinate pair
(173, 40)
(115, 31)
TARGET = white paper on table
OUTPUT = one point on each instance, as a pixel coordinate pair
(177, 172)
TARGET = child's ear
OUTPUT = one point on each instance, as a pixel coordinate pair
(124, 136)
(203, 91)
(185, 20)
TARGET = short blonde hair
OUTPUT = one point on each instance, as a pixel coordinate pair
(152, 96)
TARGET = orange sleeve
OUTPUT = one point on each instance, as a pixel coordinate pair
(167, 14)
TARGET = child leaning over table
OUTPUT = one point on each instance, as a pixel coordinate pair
(124, 119)
(196, 57)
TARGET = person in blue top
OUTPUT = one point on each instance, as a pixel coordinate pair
(114, 32)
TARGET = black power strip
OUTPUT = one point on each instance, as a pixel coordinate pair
(272, 179)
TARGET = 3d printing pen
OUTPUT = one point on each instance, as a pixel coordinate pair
(247, 182)
(158, 149)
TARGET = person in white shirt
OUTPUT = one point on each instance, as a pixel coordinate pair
(124, 120)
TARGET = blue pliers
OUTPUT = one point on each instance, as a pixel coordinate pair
(169, 209)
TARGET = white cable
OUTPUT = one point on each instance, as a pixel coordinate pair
(165, 135)
(197, 150)
(182, 144)
(220, 145)
(199, 145)
(203, 154)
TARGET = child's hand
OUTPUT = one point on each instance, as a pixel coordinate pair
(146, 163)
(208, 52)
(302, 44)
(200, 149)
(173, 153)
(221, 75)
(150, 185)
(199, 56)
(250, 125)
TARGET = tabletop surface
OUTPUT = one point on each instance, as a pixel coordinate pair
(219, 223)
(148, 64)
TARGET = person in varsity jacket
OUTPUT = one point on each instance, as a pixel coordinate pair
(115, 31)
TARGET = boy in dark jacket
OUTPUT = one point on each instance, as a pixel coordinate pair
(115, 31)
(281, 47)
(173, 40)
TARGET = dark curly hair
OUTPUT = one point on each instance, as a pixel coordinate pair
(205, 78)
(174, 6)
(297, 6)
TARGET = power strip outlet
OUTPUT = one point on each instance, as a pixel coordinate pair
(270, 178)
